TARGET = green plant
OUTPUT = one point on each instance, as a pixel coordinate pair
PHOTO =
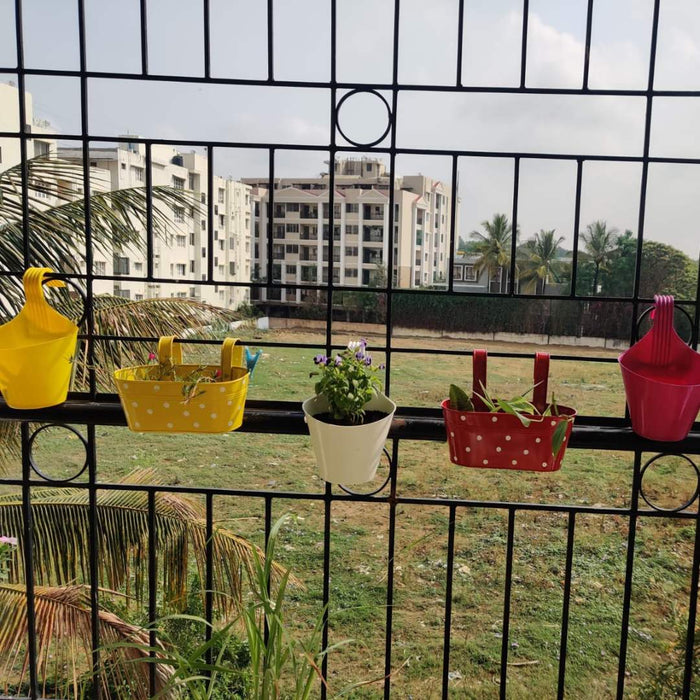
(190, 378)
(7, 544)
(348, 381)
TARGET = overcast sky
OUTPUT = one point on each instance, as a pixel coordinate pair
(428, 49)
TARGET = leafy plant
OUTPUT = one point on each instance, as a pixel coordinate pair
(7, 544)
(190, 378)
(348, 381)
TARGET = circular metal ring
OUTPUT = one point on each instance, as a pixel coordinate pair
(683, 506)
(51, 277)
(388, 121)
(649, 309)
(36, 468)
(377, 490)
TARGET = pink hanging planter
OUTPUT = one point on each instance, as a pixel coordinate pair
(662, 379)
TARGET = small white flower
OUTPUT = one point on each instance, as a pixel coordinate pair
(354, 345)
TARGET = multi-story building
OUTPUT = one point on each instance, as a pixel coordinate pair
(301, 229)
(181, 254)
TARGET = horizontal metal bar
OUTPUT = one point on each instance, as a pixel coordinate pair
(344, 85)
(365, 149)
(286, 417)
(441, 502)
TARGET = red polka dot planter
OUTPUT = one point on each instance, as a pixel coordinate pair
(499, 440)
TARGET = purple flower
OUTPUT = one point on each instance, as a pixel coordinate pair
(382, 366)
(368, 360)
(338, 360)
(363, 343)
(359, 355)
(320, 360)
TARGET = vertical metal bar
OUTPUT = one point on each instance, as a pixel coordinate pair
(645, 168)
(328, 502)
(270, 216)
(692, 614)
(523, 44)
(448, 602)
(577, 226)
(460, 42)
(453, 224)
(270, 41)
(87, 203)
(565, 608)
(210, 214)
(392, 192)
(587, 50)
(94, 560)
(629, 572)
(391, 554)
(23, 136)
(144, 37)
(695, 330)
(149, 212)
(207, 39)
(209, 574)
(28, 544)
(152, 589)
(514, 224)
(506, 603)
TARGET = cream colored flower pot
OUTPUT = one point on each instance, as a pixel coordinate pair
(348, 454)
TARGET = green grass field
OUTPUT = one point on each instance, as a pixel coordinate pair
(359, 540)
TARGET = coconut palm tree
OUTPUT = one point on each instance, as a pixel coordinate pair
(539, 259)
(494, 248)
(61, 554)
(599, 243)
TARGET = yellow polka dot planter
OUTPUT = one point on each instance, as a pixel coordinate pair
(172, 397)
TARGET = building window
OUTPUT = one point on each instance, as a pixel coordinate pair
(192, 238)
(138, 267)
(351, 229)
(137, 173)
(204, 225)
(138, 297)
(192, 181)
(351, 272)
(178, 183)
(181, 241)
(220, 196)
(41, 148)
(292, 228)
(278, 231)
(222, 244)
(179, 214)
(278, 251)
(180, 269)
(457, 272)
(204, 252)
(293, 249)
(122, 293)
(121, 265)
(350, 251)
(222, 220)
(292, 206)
(99, 267)
(291, 269)
(352, 208)
(191, 267)
(232, 269)
(470, 273)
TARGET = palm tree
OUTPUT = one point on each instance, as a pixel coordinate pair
(539, 258)
(61, 558)
(599, 242)
(494, 247)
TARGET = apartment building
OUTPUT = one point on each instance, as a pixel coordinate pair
(183, 254)
(301, 229)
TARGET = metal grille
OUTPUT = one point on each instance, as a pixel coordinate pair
(92, 408)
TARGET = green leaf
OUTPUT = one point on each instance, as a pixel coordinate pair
(459, 399)
(558, 437)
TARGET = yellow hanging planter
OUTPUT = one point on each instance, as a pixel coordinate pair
(37, 349)
(176, 398)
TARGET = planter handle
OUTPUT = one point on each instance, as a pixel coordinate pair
(231, 357)
(541, 376)
(478, 378)
(169, 351)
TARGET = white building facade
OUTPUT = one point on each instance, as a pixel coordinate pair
(301, 235)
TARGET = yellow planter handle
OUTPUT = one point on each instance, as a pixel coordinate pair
(169, 350)
(231, 357)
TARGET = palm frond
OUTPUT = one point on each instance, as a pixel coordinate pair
(61, 542)
(63, 625)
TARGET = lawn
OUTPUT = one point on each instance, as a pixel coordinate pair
(360, 535)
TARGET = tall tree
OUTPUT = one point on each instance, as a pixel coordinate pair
(667, 270)
(493, 247)
(599, 243)
(539, 259)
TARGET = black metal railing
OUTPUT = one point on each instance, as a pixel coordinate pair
(94, 408)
